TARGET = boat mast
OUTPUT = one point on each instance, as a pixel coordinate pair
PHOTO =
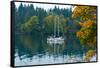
(55, 26)
(58, 25)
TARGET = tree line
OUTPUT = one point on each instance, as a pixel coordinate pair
(29, 19)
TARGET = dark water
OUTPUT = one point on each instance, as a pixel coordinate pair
(34, 50)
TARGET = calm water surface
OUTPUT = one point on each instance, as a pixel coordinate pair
(34, 50)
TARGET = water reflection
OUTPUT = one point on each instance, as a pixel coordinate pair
(34, 50)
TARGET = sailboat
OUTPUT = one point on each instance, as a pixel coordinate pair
(56, 38)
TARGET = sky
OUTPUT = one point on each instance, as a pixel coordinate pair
(45, 6)
(82, 2)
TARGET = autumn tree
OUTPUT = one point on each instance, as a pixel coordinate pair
(84, 13)
(86, 17)
(87, 34)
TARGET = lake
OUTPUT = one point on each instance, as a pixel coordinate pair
(33, 49)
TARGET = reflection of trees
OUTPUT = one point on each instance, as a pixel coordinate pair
(73, 45)
(55, 49)
(29, 46)
(35, 45)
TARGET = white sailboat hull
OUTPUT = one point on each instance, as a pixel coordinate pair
(55, 40)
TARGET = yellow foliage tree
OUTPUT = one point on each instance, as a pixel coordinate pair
(88, 55)
(87, 34)
(86, 17)
(84, 12)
